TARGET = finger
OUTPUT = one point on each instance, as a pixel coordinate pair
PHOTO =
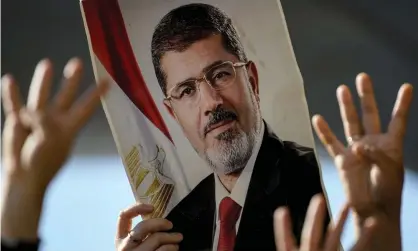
(334, 233)
(314, 224)
(40, 86)
(371, 118)
(14, 136)
(157, 240)
(84, 109)
(349, 117)
(369, 229)
(283, 234)
(397, 126)
(125, 218)
(170, 247)
(327, 137)
(12, 101)
(72, 74)
(146, 227)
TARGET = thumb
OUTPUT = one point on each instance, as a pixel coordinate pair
(38, 122)
(375, 155)
(28, 119)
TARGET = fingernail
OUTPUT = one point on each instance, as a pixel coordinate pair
(361, 76)
(43, 65)
(279, 213)
(315, 117)
(45, 62)
(71, 67)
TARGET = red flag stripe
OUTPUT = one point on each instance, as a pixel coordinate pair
(111, 45)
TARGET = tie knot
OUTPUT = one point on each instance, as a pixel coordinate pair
(229, 210)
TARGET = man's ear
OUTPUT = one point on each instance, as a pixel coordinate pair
(253, 78)
(169, 108)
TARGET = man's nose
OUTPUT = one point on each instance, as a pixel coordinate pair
(209, 98)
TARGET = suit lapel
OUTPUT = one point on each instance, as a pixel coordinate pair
(202, 219)
(194, 217)
(265, 192)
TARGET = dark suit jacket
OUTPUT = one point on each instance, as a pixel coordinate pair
(285, 174)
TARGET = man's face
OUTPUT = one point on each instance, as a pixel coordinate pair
(222, 125)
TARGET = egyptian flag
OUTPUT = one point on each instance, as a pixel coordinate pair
(141, 135)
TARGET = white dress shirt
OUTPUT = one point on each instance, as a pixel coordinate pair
(239, 191)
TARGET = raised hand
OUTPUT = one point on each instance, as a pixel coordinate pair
(371, 165)
(37, 140)
(148, 235)
(312, 238)
(38, 137)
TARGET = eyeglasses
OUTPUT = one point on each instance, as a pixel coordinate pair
(218, 77)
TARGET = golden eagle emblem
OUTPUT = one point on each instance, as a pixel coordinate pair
(149, 181)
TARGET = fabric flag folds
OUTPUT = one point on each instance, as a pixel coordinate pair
(142, 137)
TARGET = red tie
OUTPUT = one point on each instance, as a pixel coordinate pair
(228, 215)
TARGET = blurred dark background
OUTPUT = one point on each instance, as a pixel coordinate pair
(333, 41)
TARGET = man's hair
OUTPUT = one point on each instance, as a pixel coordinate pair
(185, 25)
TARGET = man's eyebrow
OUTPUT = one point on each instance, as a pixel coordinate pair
(205, 69)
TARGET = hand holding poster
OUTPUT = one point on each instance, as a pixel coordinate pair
(199, 96)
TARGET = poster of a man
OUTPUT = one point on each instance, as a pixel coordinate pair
(211, 85)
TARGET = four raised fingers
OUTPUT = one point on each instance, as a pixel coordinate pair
(40, 87)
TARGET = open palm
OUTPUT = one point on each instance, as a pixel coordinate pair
(38, 136)
(371, 166)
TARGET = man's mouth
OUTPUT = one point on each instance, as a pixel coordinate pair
(218, 125)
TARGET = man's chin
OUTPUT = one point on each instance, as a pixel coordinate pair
(223, 161)
(224, 141)
(229, 152)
